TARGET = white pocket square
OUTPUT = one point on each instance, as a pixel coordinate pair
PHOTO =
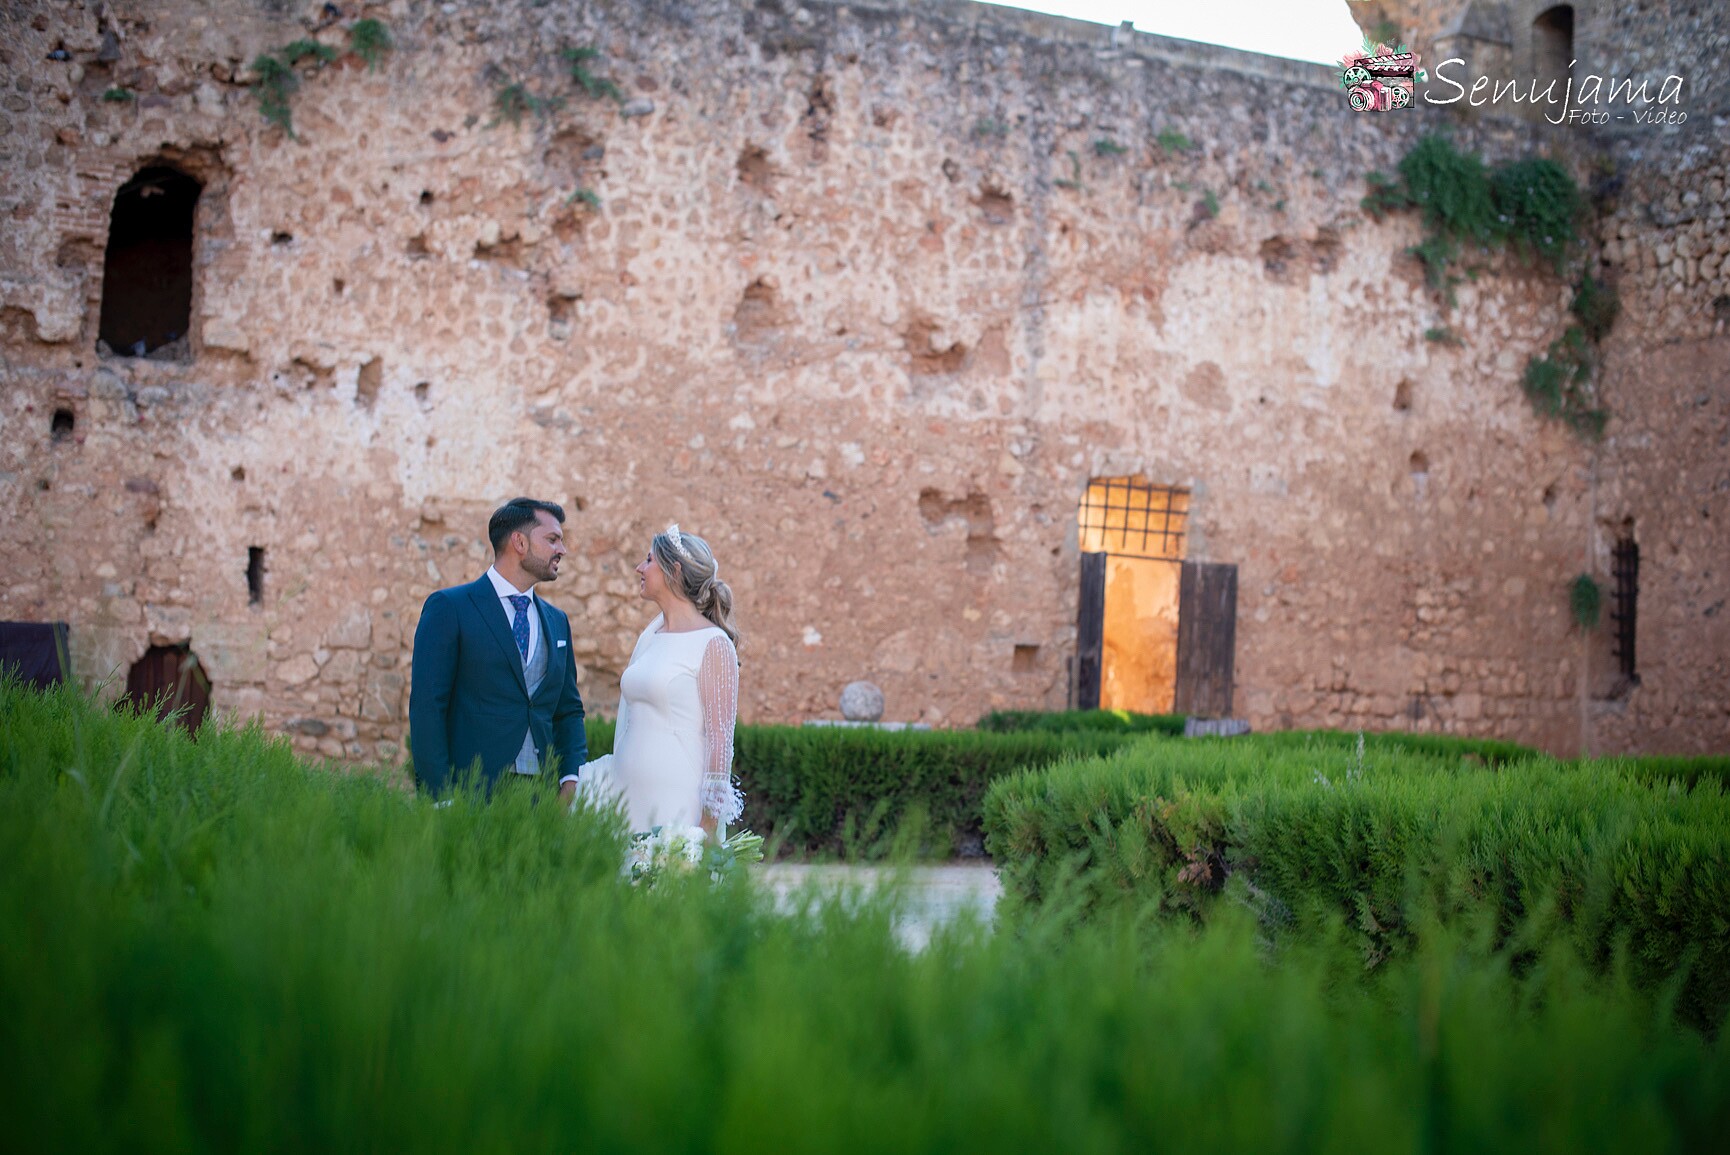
(561, 644)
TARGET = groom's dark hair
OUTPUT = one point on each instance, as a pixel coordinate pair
(518, 513)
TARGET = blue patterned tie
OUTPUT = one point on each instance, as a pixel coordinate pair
(520, 623)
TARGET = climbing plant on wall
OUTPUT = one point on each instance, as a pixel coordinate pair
(1531, 206)
(1585, 601)
(278, 71)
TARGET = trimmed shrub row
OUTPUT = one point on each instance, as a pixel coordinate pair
(858, 793)
(1070, 721)
(1462, 752)
(1381, 842)
(1663, 770)
(1484, 750)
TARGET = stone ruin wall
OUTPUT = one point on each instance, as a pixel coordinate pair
(863, 304)
(1659, 236)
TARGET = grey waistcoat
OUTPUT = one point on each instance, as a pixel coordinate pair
(528, 762)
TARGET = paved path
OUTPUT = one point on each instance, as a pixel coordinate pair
(935, 894)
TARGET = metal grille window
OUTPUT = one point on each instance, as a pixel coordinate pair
(1131, 517)
(1626, 566)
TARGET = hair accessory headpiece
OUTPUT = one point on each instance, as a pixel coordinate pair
(677, 541)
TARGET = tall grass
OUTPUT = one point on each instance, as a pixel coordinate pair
(207, 946)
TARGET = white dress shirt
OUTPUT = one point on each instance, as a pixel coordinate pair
(506, 591)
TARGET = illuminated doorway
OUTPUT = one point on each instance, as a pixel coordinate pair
(1134, 533)
(1155, 631)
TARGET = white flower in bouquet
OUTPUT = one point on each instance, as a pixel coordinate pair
(683, 849)
(665, 849)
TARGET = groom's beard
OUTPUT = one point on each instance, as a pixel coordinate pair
(540, 568)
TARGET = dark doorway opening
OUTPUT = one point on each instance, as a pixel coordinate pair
(147, 271)
(1553, 43)
(170, 679)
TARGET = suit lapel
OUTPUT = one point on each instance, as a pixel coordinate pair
(492, 612)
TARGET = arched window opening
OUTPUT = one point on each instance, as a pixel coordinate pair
(1553, 43)
(147, 271)
(171, 681)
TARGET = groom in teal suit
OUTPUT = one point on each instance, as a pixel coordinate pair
(494, 690)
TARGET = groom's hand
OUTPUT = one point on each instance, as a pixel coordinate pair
(567, 790)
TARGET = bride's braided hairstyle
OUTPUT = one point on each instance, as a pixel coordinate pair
(697, 576)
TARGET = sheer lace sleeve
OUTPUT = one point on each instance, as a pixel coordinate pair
(718, 686)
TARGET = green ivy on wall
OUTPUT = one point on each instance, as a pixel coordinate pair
(1585, 601)
(1531, 206)
(278, 71)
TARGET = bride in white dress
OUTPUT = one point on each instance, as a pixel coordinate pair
(672, 759)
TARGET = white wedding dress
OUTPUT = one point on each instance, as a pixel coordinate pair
(672, 758)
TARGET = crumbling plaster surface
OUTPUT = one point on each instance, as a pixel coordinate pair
(865, 304)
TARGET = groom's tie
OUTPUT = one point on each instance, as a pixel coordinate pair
(520, 623)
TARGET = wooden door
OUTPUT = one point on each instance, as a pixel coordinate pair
(170, 678)
(1206, 639)
(1090, 631)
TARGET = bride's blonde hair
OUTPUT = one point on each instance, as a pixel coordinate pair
(697, 576)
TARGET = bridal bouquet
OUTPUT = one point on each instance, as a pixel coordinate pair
(734, 853)
(683, 849)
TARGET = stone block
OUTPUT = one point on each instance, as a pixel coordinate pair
(381, 698)
(219, 334)
(352, 631)
(861, 702)
(343, 669)
(168, 625)
(232, 652)
(298, 670)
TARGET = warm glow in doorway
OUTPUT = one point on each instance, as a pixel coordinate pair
(1141, 527)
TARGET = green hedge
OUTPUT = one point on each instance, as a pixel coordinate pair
(1316, 834)
(1447, 747)
(1685, 772)
(211, 947)
(1072, 721)
(1486, 750)
(833, 791)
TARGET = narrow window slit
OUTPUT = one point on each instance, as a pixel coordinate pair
(1625, 562)
(255, 575)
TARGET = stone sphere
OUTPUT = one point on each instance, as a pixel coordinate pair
(861, 702)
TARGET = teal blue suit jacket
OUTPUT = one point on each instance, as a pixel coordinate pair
(469, 703)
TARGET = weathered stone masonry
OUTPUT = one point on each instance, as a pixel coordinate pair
(866, 302)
